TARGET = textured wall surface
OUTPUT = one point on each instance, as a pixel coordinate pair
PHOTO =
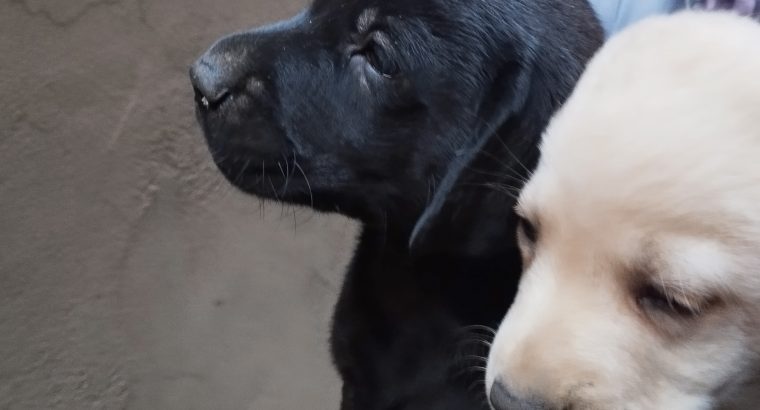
(131, 275)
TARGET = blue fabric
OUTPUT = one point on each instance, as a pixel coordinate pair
(616, 15)
(743, 7)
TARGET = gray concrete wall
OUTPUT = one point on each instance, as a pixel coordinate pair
(131, 275)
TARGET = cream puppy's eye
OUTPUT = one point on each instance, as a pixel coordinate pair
(675, 310)
(652, 299)
(527, 235)
(527, 230)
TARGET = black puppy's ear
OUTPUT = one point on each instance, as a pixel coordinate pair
(471, 211)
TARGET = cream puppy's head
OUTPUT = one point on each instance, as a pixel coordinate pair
(641, 231)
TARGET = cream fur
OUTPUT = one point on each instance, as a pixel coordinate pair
(650, 176)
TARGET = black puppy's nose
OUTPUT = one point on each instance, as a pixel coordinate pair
(502, 399)
(212, 81)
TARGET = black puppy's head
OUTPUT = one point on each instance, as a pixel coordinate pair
(363, 106)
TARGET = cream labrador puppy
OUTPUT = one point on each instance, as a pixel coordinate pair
(640, 231)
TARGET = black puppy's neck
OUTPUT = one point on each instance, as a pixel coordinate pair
(383, 246)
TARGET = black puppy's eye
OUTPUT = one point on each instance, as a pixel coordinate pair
(379, 63)
(376, 56)
(527, 229)
(653, 299)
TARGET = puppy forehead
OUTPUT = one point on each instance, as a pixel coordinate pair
(656, 129)
(670, 70)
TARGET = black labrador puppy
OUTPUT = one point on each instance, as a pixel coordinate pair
(420, 118)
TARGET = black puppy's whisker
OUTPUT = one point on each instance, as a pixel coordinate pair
(508, 167)
(308, 185)
(286, 175)
(516, 176)
(477, 345)
(471, 370)
(510, 152)
(475, 358)
(262, 205)
(468, 371)
(274, 190)
(481, 342)
(498, 176)
(478, 332)
(504, 189)
(500, 185)
(514, 157)
(484, 328)
(242, 170)
(287, 164)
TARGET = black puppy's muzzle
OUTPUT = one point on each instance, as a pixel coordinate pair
(238, 114)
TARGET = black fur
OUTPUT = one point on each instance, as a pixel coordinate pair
(421, 120)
